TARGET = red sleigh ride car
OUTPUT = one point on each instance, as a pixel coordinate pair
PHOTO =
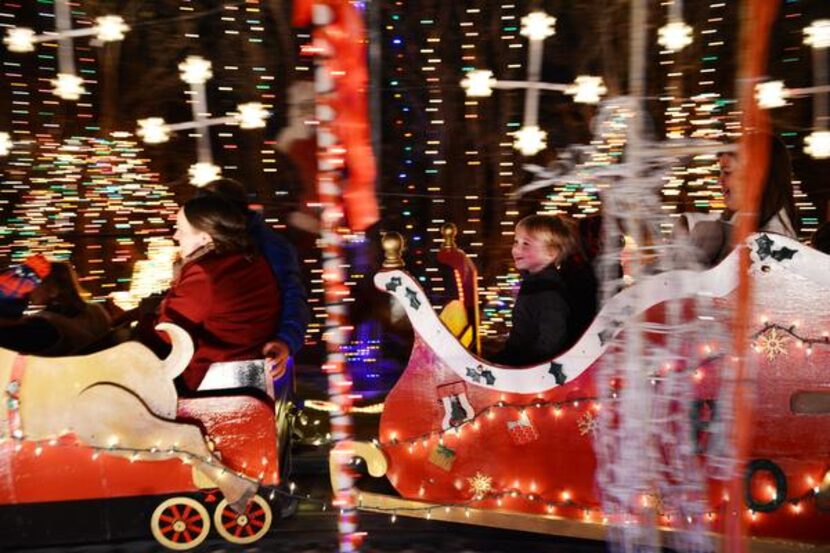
(466, 440)
(107, 437)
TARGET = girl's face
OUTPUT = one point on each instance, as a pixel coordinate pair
(531, 253)
(189, 238)
(729, 186)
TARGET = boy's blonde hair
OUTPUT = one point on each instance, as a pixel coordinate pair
(556, 232)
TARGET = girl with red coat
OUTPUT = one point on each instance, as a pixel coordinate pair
(225, 294)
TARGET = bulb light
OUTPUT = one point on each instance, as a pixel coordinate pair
(817, 34)
(203, 172)
(771, 94)
(538, 26)
(5, 143)
(817, 144)
(587, 89)
(251, 115)
(530, 140)
(20, 39)
(68, 86)
(111, 28)
(674, 36)
(479, 83)
(195, 70)
(153, 130)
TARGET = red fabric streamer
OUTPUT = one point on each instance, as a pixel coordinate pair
(347, 64)
(758, 17)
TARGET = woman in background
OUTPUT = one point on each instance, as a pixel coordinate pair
(776, 213)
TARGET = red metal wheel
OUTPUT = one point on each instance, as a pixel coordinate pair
(180, 523)
(245, 527)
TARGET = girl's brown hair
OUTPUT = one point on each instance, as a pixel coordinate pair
(777, 193)
(225, 224)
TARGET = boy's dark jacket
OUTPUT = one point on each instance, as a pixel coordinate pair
(552, 310)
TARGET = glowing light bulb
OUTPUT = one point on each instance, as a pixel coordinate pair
(587, 89)
(153, 130)
(817, 34)
(771, 94)
(68, 86)
(674, 36)
(203, 172)
(478, 83)
(251, 115)
(5, 143)
(538, 26)
(195, 70)
(20, 39)
(111, 28)
(530, 140)
(817, 144)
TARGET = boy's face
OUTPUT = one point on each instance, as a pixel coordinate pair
(531, 253)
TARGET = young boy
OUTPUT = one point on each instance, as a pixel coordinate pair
(541, 312)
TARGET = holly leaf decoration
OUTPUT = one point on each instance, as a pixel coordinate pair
(393, 284)
(764, 246)
(783, 253)
(558, 373)
(412, 296)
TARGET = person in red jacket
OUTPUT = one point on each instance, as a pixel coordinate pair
(225, 295)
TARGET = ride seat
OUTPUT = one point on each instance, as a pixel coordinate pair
(228, 375)
(461, 314)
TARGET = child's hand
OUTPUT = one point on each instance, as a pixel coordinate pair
(276, 354)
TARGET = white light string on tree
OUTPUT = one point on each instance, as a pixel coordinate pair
(774, 94)
(67, 85)
(530, 139)
(196, 71)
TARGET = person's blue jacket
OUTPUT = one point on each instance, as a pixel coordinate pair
(282, 257)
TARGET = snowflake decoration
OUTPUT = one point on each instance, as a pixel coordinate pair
(480, 485)
(587, 423)
(771, 344)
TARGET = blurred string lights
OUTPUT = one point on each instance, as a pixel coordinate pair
(704, 114)
(67, 84)
(793, 55)
(196, 71)
(86, 187)
(92, 199)
(530, 139)
(36, 214)
(774, 94)
(697, 110)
